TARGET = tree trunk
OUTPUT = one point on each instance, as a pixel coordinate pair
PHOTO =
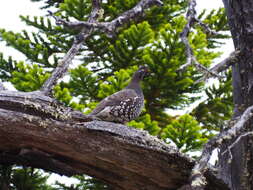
(4, 186)
(239, 172)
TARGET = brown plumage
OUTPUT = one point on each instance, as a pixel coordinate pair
(124, 105)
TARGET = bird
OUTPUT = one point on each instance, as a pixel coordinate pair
(124, 105)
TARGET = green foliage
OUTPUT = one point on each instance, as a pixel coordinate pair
(82, 84)
(144, 122)
(86, 183)
(217, 21)
(29, 179)
(114, 83)
(16, 178)
(218, 106)
(6, 67)
(34, 48)
(64, 96)
(28, 78)
(76, 8)
(186, 133)
(105, 66)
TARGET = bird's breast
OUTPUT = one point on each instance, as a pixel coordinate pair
(128, 109)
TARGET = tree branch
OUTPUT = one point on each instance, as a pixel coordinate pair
(222, 66)
(109, 28)
(36, 131)
(63, 65)
(234, 143)
(198, 181)
(61, 68)
(86, 29)
(191, 59)
(207, 29)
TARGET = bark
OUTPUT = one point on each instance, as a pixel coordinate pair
(238, 173)
(37, 131)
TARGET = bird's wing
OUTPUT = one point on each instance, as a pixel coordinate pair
(114, 100)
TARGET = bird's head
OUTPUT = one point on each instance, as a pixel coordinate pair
(141, 73)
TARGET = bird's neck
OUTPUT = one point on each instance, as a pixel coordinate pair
(135, 85)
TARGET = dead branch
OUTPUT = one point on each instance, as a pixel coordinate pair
(86, 29)
(234, 143)
(207, 29)
(63, 65)
(222, 66)
(61, 68)
(190, 58)
(109, 28)
(190, 17)
(198, 181)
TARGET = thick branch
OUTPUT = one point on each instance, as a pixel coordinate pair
(32, 134)
(135, 12)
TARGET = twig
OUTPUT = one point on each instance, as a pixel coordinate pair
(136, 11)
(234, 143)
(190, 58)
(198, 180)
(207, 29)
(86, 29)
(222, 66)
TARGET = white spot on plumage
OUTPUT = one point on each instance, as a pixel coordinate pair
(115, 113)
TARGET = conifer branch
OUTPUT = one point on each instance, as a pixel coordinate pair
(190, 58)
(222, 66)
(86, 29)
(198, 181)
